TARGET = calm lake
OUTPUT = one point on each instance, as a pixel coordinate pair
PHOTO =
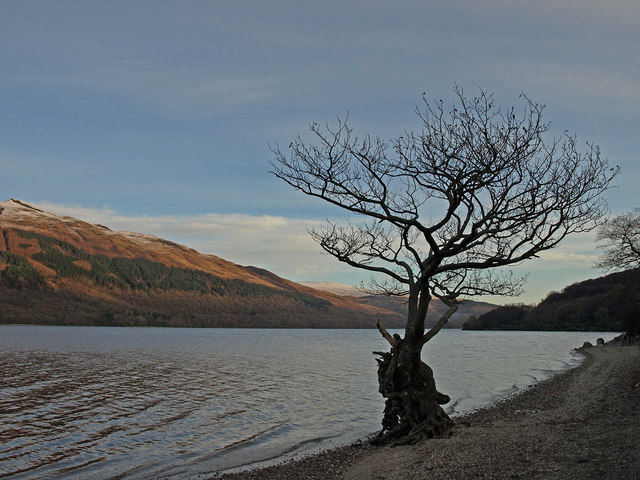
(93, 402)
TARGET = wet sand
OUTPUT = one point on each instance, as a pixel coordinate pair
(580, 424)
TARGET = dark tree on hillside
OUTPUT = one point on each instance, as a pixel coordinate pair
(436, 212)
(619, 237)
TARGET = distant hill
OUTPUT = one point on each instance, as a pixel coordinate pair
(608, 303)
(466, 308)
(61, 270)
(399, 304)
(337, 288)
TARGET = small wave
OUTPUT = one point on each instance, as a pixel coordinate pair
(231, 413)
(302, 445)
(79, 466)
(297, 450)
(452, 408)
(245, 440)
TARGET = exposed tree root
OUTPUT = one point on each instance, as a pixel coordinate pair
(412, 408)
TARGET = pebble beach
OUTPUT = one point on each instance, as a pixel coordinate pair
(580, 424)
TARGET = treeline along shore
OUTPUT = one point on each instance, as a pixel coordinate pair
(604, 304)
(581, 424)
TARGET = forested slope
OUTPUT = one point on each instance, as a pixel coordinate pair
(608, 303)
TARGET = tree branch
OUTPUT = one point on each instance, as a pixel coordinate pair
(453, 307)
(383, 331)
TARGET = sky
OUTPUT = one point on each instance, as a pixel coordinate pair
(157, 116)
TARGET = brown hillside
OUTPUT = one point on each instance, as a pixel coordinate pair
(186, 288)
(98, 239)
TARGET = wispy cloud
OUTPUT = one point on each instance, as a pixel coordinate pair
(283, 246)
(279, 244)
(578, 250)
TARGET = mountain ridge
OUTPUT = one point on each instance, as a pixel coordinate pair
(52, 264)
(398, 304)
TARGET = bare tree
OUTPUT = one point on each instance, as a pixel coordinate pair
(619, 237)
(441, 209)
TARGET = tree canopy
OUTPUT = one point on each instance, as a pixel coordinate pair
(476, 187)
(619, 236)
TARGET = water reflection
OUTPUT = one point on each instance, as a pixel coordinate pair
(56, 407)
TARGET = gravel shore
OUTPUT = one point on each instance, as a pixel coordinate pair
(580, 424)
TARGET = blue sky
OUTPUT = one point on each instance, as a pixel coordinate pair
(155, 116)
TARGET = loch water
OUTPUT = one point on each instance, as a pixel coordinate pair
(111, 402)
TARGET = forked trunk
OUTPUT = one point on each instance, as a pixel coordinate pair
(413, 409)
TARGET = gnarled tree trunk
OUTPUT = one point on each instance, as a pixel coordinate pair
(413, 409)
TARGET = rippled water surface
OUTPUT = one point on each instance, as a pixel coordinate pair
(91, 402)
